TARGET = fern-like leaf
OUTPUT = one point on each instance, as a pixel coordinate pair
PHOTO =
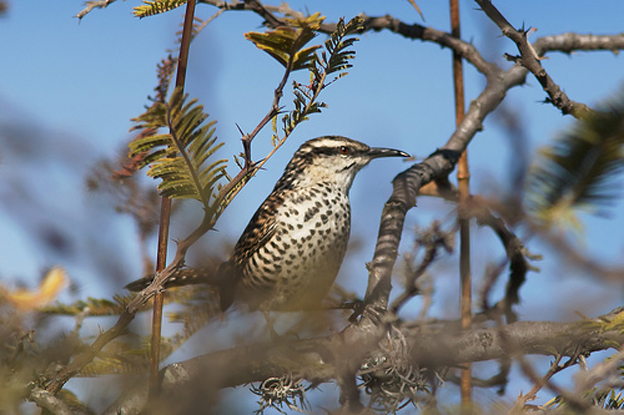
(151, 8)
(179, 157)
(334, 59)
(579, 169)
(337, 56)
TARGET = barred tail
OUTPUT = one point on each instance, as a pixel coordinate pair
(186, 276)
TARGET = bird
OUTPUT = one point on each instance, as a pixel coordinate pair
(289, 255)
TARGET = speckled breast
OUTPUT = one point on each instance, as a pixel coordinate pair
(296, 268)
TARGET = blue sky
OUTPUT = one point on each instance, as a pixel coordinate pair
(71, 87)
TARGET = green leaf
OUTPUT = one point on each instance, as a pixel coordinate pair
(579, 170)
(151, 8)
(180, 156)
(334, 59)
(338, 55)
(286, 43)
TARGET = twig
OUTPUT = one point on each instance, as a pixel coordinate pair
(518, 263)
(539, 383)
(93, 4)
(530, 59)
(432, 240)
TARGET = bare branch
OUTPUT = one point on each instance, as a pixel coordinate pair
(531, 60)
(572, 42)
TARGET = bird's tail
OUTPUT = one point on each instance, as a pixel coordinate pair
(186, 276)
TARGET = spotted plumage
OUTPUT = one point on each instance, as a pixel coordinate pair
(290, 252)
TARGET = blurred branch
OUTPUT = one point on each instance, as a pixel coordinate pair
(51, 403)
(432, 240)
(327, 358)
(578, 258)
(93, 4)
(518, 264)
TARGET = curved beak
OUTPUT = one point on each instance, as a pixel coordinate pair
(377, 152)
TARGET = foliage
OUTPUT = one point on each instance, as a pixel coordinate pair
(579, 169)
(286, 43)
(179, 156)
(151, 8)
(610, 400)
(335, 59)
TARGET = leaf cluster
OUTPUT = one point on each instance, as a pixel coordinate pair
(337, 55)
(287, 43)
(334, 59)
(180, 155)
(151, 8)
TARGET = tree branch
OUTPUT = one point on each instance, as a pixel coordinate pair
(325, 359)
(51, 403)
(530, 59)
(436, 166)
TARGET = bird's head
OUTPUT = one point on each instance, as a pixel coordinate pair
(333, 158)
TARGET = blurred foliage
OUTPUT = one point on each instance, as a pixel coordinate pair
(25, 299)
(91, 306)
(580, 169)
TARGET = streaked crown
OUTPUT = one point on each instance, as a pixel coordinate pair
(332, 159)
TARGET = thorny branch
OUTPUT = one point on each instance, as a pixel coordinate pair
(540, 382)
(530, 59)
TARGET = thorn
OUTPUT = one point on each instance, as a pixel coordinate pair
(240, 130)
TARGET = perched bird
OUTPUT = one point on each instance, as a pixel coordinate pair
(291, 251)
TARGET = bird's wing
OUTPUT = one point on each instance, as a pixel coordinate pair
(258, 233)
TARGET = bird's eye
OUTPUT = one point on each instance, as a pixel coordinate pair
(344, 150)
